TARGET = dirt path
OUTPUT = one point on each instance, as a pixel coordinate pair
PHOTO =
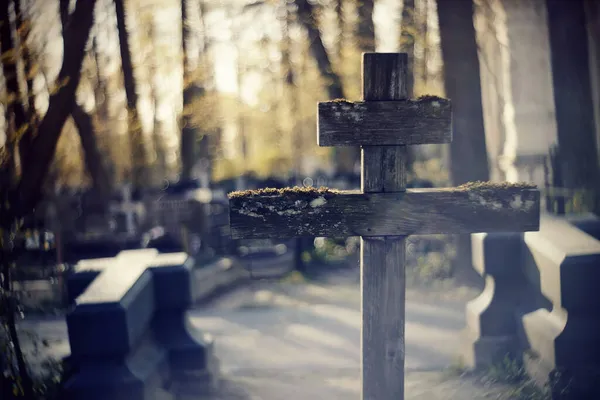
(283, 341)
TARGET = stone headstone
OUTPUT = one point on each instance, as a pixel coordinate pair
(129, 334)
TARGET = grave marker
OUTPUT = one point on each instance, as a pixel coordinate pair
(384, 213)
(129, 208)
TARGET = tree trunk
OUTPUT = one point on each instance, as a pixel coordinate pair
(24, 27)
(139, 176)
(61, 103)
(157, 129)
(341, 24)
(308, 20)
(407, 45)
(103, 132)
(365, 29)
(573, 97)
(420, 65)
(290, 87)
(87, 134)
(14, 106)
(345, 157)
(348, 157)
(92, 156)
(191, 91)
(205, 143)
(407, 41)
(461, 80)
(188, 132)
(41, 149)
(468, 153)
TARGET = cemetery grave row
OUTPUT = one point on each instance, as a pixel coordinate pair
(179, 216)
(539, 299)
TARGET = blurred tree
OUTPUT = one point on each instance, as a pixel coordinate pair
(468, 156)
(345, 158)
(365, 40)
(105, 133)
(161, 166)
(16, 116)
(573, 100)
(191, 90)
(139, 171)
(23, 22)
(341, 25)
(408, 35)
(290, 87)
(421, 50)
(308, 19)
(87, 134)
(20, 188)
(365, 29)
(468, 153)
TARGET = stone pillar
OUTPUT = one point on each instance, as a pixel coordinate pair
(491, 331)
(516, 80)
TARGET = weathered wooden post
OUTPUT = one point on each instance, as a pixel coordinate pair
(383, 213)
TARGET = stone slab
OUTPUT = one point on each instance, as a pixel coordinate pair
(115, 310)
(83, 274)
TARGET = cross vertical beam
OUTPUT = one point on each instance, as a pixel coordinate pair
(382, 259)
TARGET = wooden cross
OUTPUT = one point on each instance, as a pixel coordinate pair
(384, 213)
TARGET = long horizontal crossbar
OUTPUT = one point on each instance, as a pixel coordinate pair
(385, 123)
(348, 213)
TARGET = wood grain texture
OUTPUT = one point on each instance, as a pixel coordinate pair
(384, 78)
(382, 260)
(384, 123)
(382, 297)
(416, 211)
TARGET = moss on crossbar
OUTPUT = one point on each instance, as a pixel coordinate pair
(279, 192)
(480, 185)
(430, 97)
(312, 191)
(424, 98)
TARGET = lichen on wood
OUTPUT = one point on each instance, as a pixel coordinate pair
(424, 98)
(430, 97)
(310, 212)
(480, 185)
(286, 202)
(309, 192)
(483, 193)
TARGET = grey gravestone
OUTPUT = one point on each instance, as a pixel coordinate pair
(129, 334)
